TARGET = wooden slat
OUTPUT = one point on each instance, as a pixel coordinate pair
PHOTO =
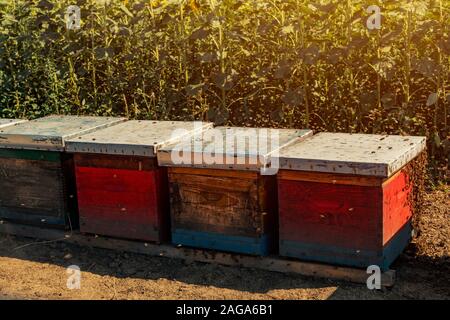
(331, 178)
(115, 162)
(264, 263)
(30, 155)
(215, 173)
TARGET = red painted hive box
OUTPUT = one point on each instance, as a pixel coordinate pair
(122, 192)
(346, 198)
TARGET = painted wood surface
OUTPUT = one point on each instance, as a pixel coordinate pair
(37, 187)
(230, 148)
(9, 122)
(333, 221)
(271, 263)
(223, 242)
(222, 203)
(50, 133)
(135, 137)
(336, 255)
(356, 154)
(327, 214)
(397, 210)
(122, 197)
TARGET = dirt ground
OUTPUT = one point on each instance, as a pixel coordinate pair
(30, 270)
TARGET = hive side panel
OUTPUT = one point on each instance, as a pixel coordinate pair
(330, 215)
(118, 202)
(33, 191)
(397, 210)
(221, 204)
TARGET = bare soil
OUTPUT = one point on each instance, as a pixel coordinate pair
(37, 270)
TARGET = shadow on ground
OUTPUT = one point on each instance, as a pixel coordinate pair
(418, 278)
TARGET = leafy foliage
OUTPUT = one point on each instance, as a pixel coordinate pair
(277, 63)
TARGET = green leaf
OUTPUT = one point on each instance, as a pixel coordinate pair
(125, 9)
(287, 29)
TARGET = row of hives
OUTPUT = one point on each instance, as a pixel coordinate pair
(336, 198)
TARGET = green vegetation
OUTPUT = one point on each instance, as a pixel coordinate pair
(277, 63)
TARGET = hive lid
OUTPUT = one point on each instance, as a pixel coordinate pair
(358, 154)
(230, 148)
(50, 133)
(134, 138)
(9, 122)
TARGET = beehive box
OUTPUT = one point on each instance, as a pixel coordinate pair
(9, 122)
(346, 198)
(121, 190)
(36, 176)
(219, 197)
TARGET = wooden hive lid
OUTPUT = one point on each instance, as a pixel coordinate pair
(358, 154)
(50, 133)
(234, 148)
(9, 122)
(134, 138)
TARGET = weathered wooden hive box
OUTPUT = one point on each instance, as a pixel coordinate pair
(219, 197)
(121, 190)
(346, 198)
(36, 175)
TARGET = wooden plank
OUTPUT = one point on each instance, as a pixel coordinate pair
(358, 154)
(230, 148)
(214, 172)
(330, 178)
(253, 245)
(135, 137)
(50, 133)
(115, 162)
(30, 155)
(10, 122)
(274, 264)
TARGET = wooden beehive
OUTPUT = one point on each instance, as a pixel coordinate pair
(36, 176)
(219, 198)
(346, 198)
(121, 190)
